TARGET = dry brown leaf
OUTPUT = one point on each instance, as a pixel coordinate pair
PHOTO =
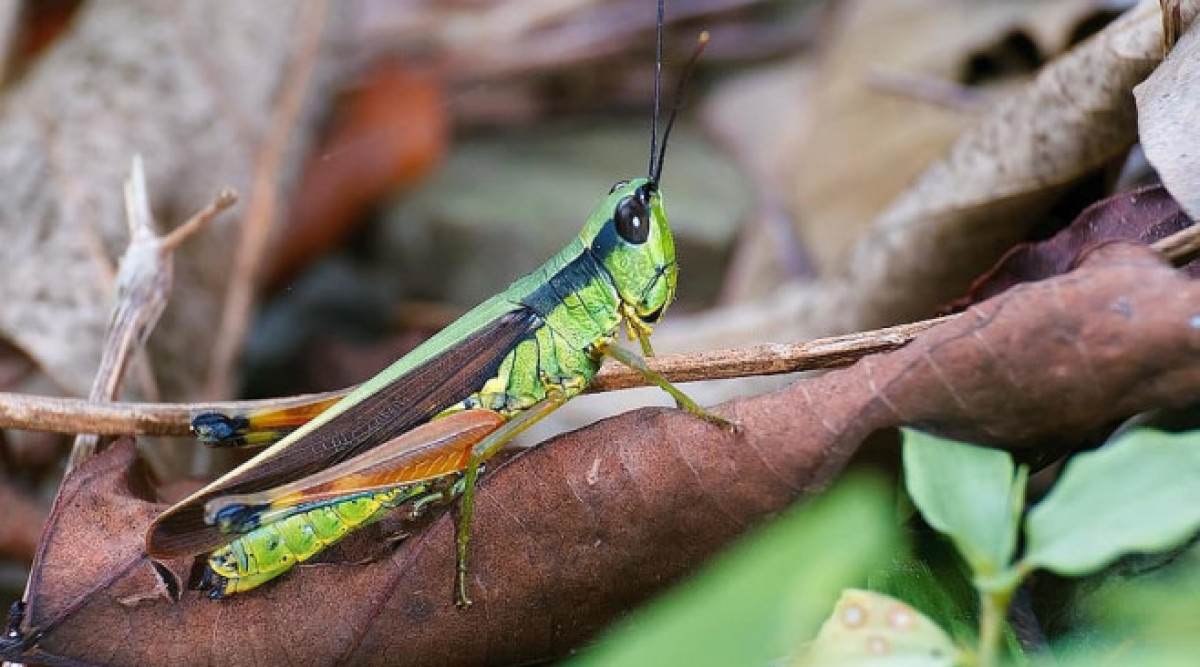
(190, 89)
(970, 207)
(1145, 215)
(865, 143)
(1168, 106)
(574, 533)
(1002, 174)
(898, 84)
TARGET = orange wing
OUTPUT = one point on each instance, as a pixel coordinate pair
(427, 452)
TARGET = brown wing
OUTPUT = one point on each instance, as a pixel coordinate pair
(407, 401)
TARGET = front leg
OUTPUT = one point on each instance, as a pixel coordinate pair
(643, 336)
(685, 402)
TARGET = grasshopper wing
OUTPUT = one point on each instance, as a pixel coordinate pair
(433, 451)
(444, 370)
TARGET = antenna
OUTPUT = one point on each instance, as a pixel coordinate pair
(658, 58)
(657, 165)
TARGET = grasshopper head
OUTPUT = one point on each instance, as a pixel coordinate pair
(630, 237)
(628, 234)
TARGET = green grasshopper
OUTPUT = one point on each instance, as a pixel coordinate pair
(419, 433)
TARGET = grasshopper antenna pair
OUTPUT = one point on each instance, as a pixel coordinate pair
(657, 153)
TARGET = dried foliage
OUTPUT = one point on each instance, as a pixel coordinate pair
(1167, 106)
(1058, 341)
(69, 129)
(574, 533)
(968, 208)
(1145, 215)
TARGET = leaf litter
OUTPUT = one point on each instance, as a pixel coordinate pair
(1037, 366)
(641, 499)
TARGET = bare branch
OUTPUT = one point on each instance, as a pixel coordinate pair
(66, 415)
(226, 198)
(143, 288)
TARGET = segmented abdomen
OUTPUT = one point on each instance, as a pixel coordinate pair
(269, 551)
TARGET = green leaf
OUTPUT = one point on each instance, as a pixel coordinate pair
(760, 601)
(935, 586)
(1125, 656)
(971, 494)
(1157, 609)
(936, 583)
(1138, 494)
(870, 629)
(1152, 615)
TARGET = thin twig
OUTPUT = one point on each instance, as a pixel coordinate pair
(143, 287)
(1172, 18)
(225, 199)
(264, 200)
(1180, 247)
(10, 28)
(772, 359)
(69, 415)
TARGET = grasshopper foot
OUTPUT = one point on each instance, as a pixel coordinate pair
(461, 599)
(734, 427)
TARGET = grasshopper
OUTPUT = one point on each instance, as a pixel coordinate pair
(419, 433)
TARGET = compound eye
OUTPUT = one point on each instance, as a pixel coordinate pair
(632, 219)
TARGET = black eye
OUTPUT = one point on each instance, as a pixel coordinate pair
(632, 219)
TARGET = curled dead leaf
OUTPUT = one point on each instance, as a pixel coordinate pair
(1144, 215)
(574, 533)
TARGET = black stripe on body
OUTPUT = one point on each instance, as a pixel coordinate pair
(605, 244)
(582, 271)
